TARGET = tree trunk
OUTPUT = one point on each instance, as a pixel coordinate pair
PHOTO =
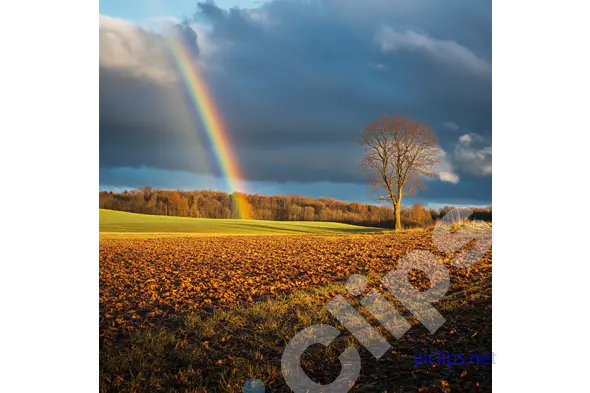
(398, 216)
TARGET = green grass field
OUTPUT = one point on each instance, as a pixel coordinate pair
(115, 222)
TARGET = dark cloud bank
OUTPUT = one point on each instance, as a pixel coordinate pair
(296, 82)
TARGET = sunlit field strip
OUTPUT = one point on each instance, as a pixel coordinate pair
(114, 223)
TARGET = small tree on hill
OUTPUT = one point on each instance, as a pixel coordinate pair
(399, 152)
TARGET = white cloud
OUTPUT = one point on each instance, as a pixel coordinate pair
(128, 47)
(445, 170)
(451, 126)
(472, 156)
(465, 139)
(449, 177)
(448, 52)
(378, 66)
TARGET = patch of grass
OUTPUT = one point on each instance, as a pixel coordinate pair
(219, 351)
(122, 222)
(213, 351)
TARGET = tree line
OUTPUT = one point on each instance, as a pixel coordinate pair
(215, 204)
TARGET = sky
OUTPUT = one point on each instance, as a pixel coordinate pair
(295, 83)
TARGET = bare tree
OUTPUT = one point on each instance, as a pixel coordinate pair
(399, 152)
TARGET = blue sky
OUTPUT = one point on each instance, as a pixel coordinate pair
(141, 11)
(295, 82)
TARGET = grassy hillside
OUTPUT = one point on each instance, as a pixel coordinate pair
(116, 221)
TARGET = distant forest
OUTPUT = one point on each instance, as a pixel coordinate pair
(215, 204)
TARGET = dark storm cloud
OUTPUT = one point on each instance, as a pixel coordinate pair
(143, 123)
(297, 81)
(188, 35)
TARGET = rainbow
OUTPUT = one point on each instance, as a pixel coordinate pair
(201, 101)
